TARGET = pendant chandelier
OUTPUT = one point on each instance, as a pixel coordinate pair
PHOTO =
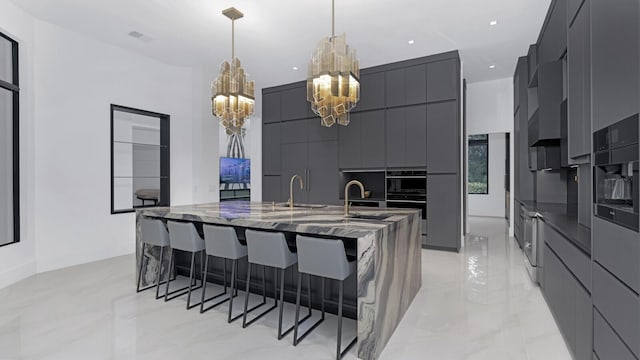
(232, 97)
(333, 86)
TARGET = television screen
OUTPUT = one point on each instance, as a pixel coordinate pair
(235, 171)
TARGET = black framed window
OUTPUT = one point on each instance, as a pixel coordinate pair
(139, 159)
(478, 164)
(9, 142)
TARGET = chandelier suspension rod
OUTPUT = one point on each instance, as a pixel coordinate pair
(333, 18)
(233, 39)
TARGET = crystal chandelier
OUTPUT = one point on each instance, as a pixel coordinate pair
(232, 97)
(333, 86)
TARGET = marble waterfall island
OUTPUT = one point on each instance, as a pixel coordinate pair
(385, 242)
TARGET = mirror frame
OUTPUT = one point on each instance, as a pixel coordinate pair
(165, 175)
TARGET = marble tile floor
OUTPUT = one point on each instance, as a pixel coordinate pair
(479, 304)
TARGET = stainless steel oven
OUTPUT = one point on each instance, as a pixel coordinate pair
(408, 189)
(531, 245)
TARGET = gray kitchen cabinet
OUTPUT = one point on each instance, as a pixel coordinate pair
(443, 135)
(553, 42)
(294, 131)
(323, 179)
(516, 88)
(443, 80)
(617, 249)
(584, 195)
(395, 87)
(406, 86)
(396, 129)
(372, 125)
(271, 107)
(295, 162)
(614, 61)
(583, 323)
(294, 104)
(271, 149)
(271, 188)
(579, 89)
(317, 132)
(606, 344)
(544, 124)
(532, 64)
(372, 92)
(415, 84)
(416, 136)
(443, 211)
(349, 140)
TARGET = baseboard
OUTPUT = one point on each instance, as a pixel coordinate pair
(17, 273)
(50, 264)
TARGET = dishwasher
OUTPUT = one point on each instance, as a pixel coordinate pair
(531, 247)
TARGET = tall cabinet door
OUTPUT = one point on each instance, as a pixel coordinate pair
(271, 188)
(443, 150)
(579, 99)
(349, 138)
(271, 143)
(372, 139)
(416, 136)
(443, 211)
(323, 182)
(395, 125)
(294, 162)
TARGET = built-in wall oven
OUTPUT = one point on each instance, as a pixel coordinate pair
(616, 194)
(530, 245)
(408, 189)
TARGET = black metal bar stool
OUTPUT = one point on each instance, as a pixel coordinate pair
(270, 249)
(325, 258)
(222, 242)
(153, 233)
(184, 236)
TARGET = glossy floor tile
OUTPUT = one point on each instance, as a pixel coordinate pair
(478, 304)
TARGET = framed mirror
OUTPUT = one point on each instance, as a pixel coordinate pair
(139, 159)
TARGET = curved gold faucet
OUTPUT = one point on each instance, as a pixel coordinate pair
(346, 194)
(291, 189)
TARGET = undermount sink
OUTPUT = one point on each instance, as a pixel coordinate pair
(368, 217)
(301, 206)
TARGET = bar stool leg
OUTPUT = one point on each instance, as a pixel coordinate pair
(160, 273)
(295, 326)
(191, 277)
(341, 294)
(140, 270)
(224, 273)
(246, 296)
(322, 298)
(234, 283)
(166, 293)
(204, 286)
(280, 334)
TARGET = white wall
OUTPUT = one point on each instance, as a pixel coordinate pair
(492, 204)
(68, 81)
(490, 110)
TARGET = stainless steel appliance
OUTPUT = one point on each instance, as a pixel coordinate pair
(616, 173)
(408, 189)
(531, 246)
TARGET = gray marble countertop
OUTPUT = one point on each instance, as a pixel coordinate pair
(313, 219)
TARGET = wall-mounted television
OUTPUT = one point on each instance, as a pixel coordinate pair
(235, 171)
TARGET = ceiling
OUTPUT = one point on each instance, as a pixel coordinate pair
(277, 35)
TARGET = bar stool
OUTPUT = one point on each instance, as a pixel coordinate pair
(327, 259)
(270, 249)
(183, 236)
(222, 241)
(153, 233)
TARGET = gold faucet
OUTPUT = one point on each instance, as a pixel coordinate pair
(291, 189)
(346, 194)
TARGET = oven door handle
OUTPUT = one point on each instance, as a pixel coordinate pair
(408, 201)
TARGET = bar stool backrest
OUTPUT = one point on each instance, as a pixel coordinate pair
(183, 236)
(323, 257)
(154, 232)
(270, 249)
(222, 241)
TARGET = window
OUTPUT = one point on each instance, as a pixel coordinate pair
(139, 159)
(478, 164)
(9, 146)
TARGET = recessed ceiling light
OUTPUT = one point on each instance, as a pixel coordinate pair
(411, 42)
(492, 66)
(493, 23)
(295, 68)
(136, 34)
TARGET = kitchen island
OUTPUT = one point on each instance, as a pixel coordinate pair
(386, 243)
